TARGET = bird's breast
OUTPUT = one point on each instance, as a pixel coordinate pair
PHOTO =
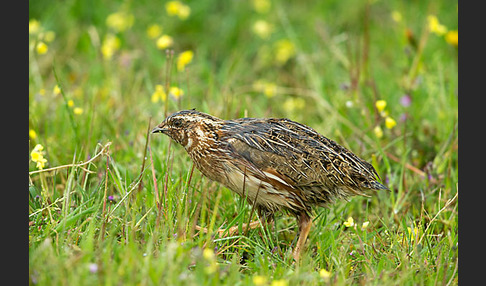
(207, 158)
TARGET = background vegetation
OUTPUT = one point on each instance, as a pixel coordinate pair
(110, 205)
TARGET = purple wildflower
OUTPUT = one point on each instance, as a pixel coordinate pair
(93, 267)
(406, 100)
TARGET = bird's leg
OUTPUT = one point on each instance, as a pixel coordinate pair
(305, 222)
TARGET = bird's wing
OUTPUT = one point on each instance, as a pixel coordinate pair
(297, 154)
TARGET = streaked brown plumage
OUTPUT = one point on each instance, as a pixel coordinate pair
(279, 163)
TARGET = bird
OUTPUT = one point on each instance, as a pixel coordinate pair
(275, 163)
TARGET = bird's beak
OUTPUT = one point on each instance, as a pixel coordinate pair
(160, 128)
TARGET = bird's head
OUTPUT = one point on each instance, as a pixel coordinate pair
(187, 127)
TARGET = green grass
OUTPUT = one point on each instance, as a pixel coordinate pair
(113, 206)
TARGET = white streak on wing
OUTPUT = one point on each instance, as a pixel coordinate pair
(274, 142)
(276, 178)
(281, 129)
(262, 191)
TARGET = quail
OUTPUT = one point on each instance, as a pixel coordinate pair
(275, 163)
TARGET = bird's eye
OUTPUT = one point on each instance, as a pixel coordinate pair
(177, 123)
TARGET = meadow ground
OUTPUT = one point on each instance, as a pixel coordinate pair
(110, 205)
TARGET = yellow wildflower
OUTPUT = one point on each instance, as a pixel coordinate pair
(285, 50)
(172, 7)
(365, 224)
(262, 29)
(281, 282)
(183, 59)
(159, 93)
(164, 42)
(38, 147)
(412, 233)
(41, 48)
(380, 105)
(70, 103)
(49, 36)
(259, 280)
(37, 156)
(435, 26)
(56, 90)
(78, 110)
(32, 134)
(34, 26)
(292, 104)
(184, 12)
(270, 90)
(208, 254)
(120, 21)
(176, 92)
(390, 122)
(378, 131)
(396, 16)
(261, 6)
(110, 45)
(42, 91)
(452, 37)
(176, 8)
(349, 222)
(153, 31)
(324, 274)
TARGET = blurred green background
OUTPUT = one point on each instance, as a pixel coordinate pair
(379, 77)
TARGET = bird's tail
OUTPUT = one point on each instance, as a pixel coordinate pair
(374, 185)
